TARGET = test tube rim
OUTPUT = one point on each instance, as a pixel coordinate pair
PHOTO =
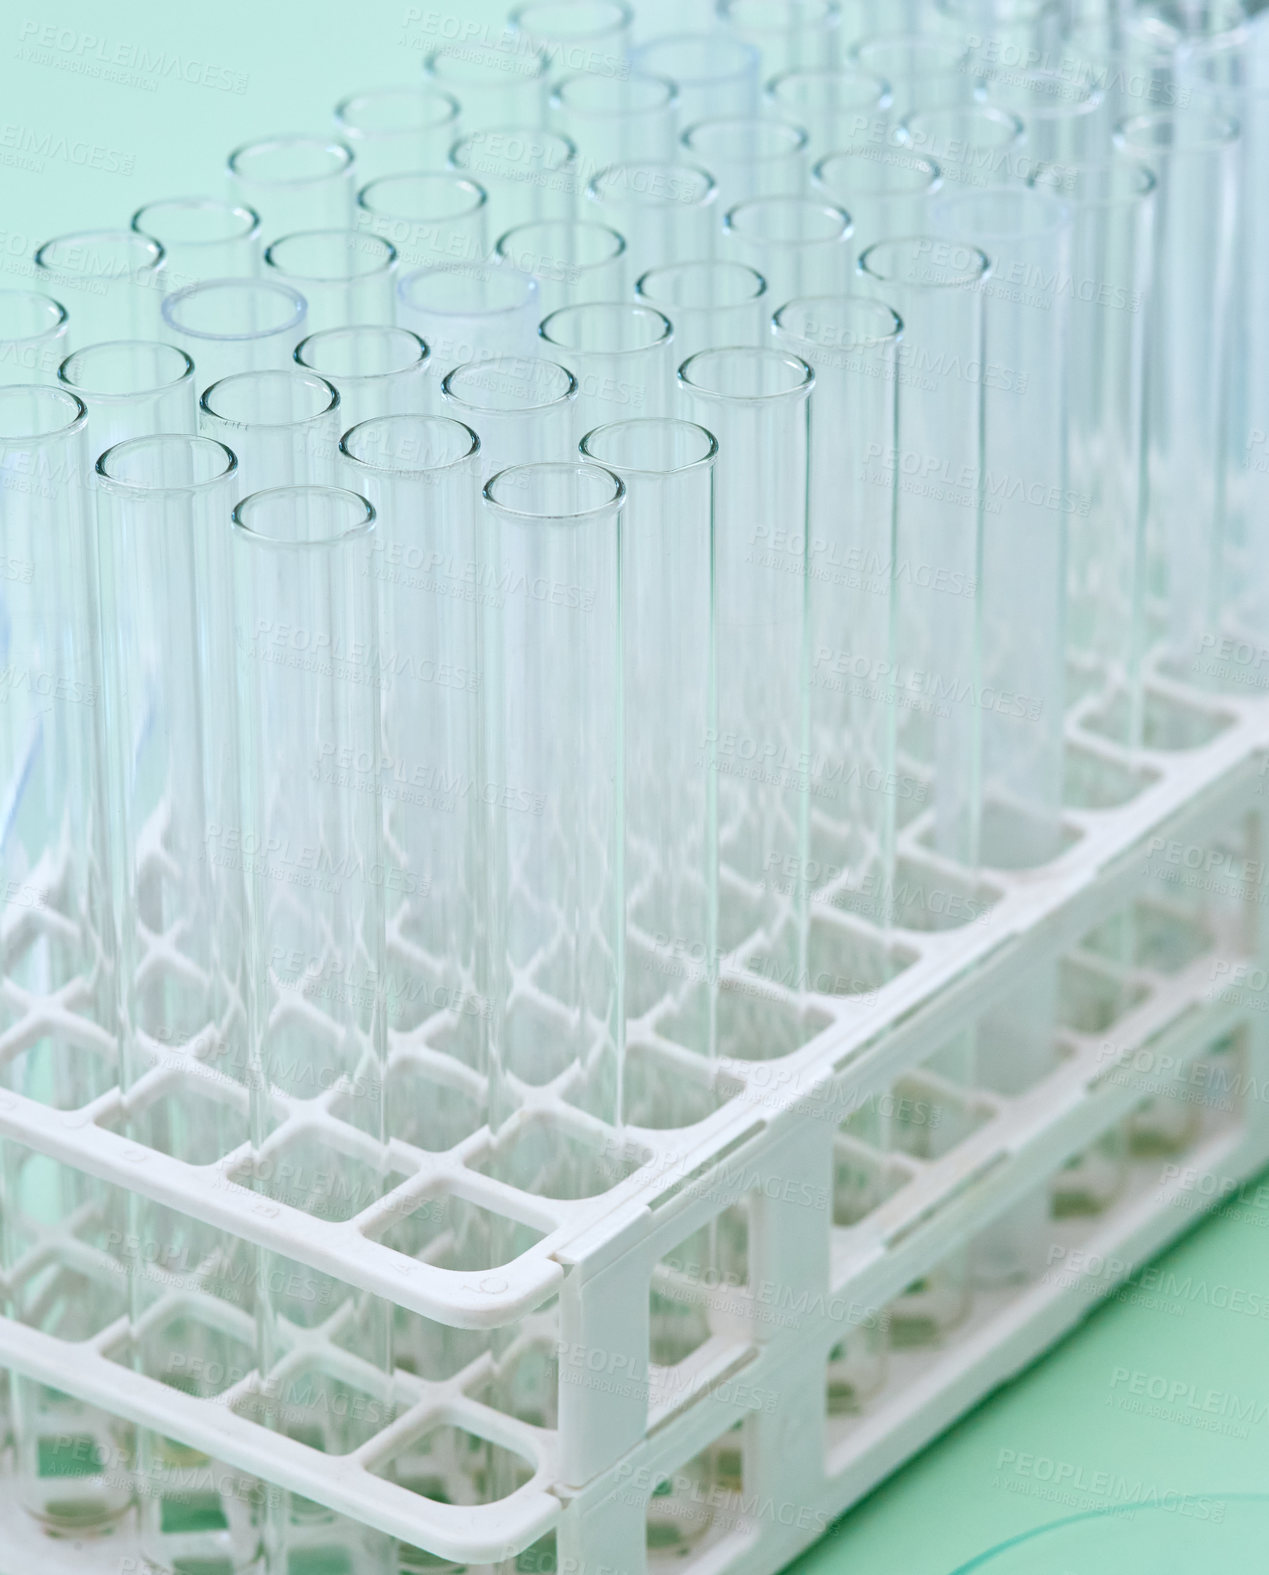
(701, 462)
(437, 269)
(45, 333)
(605, 111)
(547, 133)
(290, 139)
(787, 200)
(385, 264)
(185, 375)
(801, 138)
(664, 336)
(798, 390)
(970, 277)
(747, 57)
(732, 264)
(828, 10)
(578, 517)
(891, 337)
(245, 533)
(469, 454)
(156, 252)
(596, 225)
(624, 16)
(172, 303)
(110, 483)
(452, 179)
(568, 392)
(362, 328)
(421, 93)
(252, 231)
(770, 88)
(461, 53)
(1061, 213)
(276, 426)
(77, 422)
(1228, 138)
(1115, 160)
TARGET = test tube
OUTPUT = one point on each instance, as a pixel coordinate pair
(308, 682)
(749, 155)
(33, 336)
(837, 106)
(232, 325)
(576, 35)
(345, 276)
(420, 474)
(377, 371)
(935, 286)
(617, 121)
(713, 73)
(283, 425)
(523, 407)
(851, 343)
(113, 280)
(294, 182)
(1011, 35)
(671, 851)
(800, 245)
(972, 144)
(1194, 154)
(202, 238)
(463, 314)
(132, 388)
(494, 85)
(571, 259)
(919, 68)
(665, 210)
(711, 304)
(888, 189)
(432, 217)
(397, 129)
(162, 506)
(1065, 116)
(1112, 253)
(620, 353)
(754, 400)
(71, 1460)
(554, 731)
(529, 172)
(789, 35)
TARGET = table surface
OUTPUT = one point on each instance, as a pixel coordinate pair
(1162, 1391)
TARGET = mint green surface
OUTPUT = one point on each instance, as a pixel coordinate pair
(80, 151)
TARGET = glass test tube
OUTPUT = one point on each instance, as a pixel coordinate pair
(234, 325)
(308, 676)
(132, 388)
(113, 280)
(377, 371)
(714, 74)
(479, 312)
(529, 172)
(1112, 252)
(755, 402)
(284, 426)
(665, 211)
(294, 182)
(919, 68)
(671, 852)
(972, 144)
(888, 189)
(1195, 157)
(577, 35)
(432, 217)
(935, 285)
(494, 85)
(616, 121)
(837, 107)
(345, 276)
(420, 474)
(71, 1460)
(162, 506)
(33, 336)
(749, 155)
(522, 407)
(202, 238)
(620, 353)
(800, 245)
(1008, 34)
(397, 129)
(1065, 117)
(851, 343)
(553, 731)
(789, 35)
(571, 259)
(711, 304)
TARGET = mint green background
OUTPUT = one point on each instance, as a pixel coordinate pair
(954, 1500)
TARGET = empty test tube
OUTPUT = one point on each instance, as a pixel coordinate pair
(345, 276)
(919, 68)
(132, 388)
(749, 155)
(202, 238)
(529, 172)
(494, 85)
(973, 144)
(397, 129)
(228, 326)
(377, 371)
(851, 343)
(522, 407)
(571, 259)
(621, 355)
(553, 731)
(294, 182)
(714, 74)
(1066, 117)
(666, 211)
(576, 35)
(671, 855)
(284, 426)
(110, 280)
(800, 245)
(478, 312)
(433, 217)
(33, 336)
(789, 35)
(887, 189)
(616, 121)
(711, 304)
(755, 402)
(837, 106)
